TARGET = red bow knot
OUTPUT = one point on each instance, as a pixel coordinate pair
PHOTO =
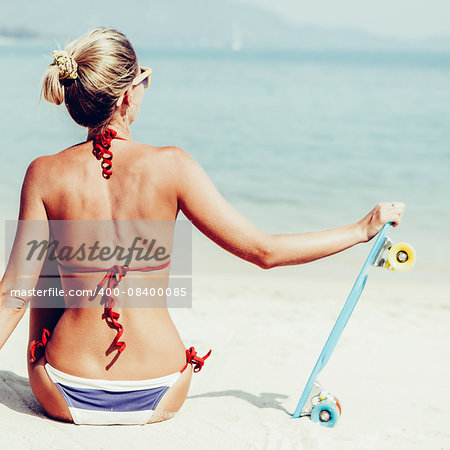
(39, 344)
(196, 361)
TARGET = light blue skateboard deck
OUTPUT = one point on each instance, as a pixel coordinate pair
(342, 320)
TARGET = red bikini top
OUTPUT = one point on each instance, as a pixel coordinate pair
(102, 143)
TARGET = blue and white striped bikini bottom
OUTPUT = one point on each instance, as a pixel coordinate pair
(110, 402)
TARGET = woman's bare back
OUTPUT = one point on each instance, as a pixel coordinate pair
(140, 199)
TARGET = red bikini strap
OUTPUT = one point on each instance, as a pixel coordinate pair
(39, 344)
(110, 281)
(112, 278)
(149, 269)
(100, 269)
(196, 361)
(102, 143)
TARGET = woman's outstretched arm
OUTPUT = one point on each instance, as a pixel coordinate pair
(22, 274)
(205, 207)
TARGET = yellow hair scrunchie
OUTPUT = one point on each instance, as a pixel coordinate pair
(67, 65)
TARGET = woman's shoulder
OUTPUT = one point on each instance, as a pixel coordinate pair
(169, 151)
(49, 167)
(44, 165)
(39, 166)
(176, 154)
(169, 154)
(45, 161)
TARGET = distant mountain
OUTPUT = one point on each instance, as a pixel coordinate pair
(195, 23)
(18, 33)
(438, 43)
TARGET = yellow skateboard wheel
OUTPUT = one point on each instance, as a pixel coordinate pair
(402, 256)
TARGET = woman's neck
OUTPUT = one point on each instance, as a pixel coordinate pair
(122, 130)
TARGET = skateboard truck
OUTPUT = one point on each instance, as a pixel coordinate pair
(381, 260)
(311, 401)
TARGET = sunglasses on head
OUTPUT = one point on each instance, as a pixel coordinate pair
(143, 77)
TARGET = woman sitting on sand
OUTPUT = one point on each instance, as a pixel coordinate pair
(126, 365)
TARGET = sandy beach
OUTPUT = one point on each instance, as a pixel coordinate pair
(266, 328)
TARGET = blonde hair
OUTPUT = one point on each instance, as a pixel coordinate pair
(107, 65)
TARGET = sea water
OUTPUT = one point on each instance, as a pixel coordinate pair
(296, 141)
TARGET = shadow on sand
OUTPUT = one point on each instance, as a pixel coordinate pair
(264, 400)
(16, 394)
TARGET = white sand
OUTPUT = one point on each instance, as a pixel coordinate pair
(266, 328)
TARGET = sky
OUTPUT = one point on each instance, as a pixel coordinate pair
(405, 19)
(408, 20)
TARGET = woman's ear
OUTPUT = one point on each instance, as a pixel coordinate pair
(125, 98)
(120, 100)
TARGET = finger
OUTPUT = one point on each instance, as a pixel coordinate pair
(396, 218)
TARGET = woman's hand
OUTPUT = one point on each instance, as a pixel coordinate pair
(381, 214)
